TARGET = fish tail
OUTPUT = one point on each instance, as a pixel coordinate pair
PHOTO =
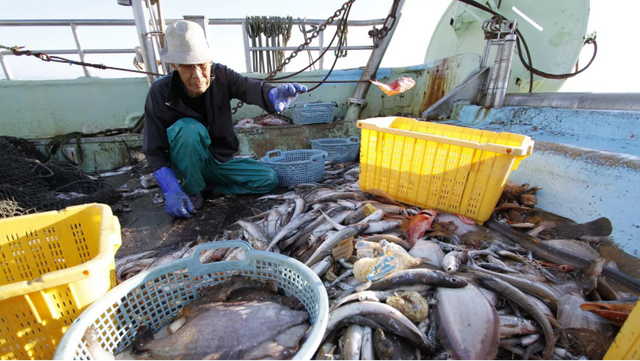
(599, 227)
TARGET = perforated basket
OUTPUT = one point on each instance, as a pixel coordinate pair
(153, 298)
(339, 150)
(310, 113)
(451, 168)
(296, 166)
(54, 265)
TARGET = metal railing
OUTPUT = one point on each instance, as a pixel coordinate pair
(81, 51)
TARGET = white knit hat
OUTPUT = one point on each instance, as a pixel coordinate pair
(186, 44)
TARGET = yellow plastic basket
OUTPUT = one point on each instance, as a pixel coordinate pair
(54, 265)
(454, 169)
(626, 346)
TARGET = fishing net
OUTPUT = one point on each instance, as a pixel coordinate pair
(29, 183)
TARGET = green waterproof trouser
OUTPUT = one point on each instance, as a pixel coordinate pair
(196, 167)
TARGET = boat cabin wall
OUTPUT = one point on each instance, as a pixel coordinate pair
(40, 110)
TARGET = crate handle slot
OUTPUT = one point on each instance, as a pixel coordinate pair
(354, 139)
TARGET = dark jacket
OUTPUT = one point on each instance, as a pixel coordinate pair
(164, 107)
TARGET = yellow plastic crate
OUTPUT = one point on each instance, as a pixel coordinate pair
(454, 169)
(54, 265)
(626, 346)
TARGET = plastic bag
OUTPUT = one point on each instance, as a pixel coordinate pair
(366, 249)
(393, 259)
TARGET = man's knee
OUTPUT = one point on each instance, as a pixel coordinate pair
(188, 128)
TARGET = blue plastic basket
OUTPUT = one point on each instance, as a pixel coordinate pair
(154, 297)
(296, 166)
(310, 113)
(340, 150)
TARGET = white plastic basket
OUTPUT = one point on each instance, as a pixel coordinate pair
(153, 298)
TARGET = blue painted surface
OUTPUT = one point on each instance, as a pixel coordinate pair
(614, 131)
(587, 162)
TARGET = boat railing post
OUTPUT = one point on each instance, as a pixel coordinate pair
(5, 67)
(245, 41)
(148, 51)
(76, 37)
(321, 49)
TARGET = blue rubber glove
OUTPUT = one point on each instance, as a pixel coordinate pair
(177, 203)
(283, 95)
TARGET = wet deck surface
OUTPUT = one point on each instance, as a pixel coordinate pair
(146, 226)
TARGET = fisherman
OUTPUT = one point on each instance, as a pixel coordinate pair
(188, 132)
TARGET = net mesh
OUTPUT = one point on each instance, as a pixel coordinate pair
(29, 183)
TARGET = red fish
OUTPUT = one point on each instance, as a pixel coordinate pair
(566, 268)
(466, 220)
(419, 224)
(397, 86)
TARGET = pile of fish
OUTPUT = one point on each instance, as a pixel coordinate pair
(270, 120)
(239, 318)
(410, 283)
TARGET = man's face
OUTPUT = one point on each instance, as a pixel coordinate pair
(196, 78)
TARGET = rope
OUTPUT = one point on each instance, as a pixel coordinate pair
(57, 59)
(344, 20)
(303, 29)
(60, 140)
(343, 29)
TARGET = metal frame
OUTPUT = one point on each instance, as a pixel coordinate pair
(145, 29)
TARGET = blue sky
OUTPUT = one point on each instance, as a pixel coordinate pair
(613, 70)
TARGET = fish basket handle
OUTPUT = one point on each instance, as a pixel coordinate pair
(354, 139)
(319, 157)
(269, 153)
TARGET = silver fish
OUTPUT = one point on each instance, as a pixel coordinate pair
(170, 257)
(379, 315)
(292, 226)
(352, 342)
(257, 234)
(333, 241)
(451, 262)
(515, 295)
(382, 226)
(366, 350)
(513, 325)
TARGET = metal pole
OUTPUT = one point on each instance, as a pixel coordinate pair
(321, 49)
(155, 27)
(161, 23)
(148, 53)
(5, 68)
(76, 37)
(485, 56)
(163, 27)
(505, 69)
(493, 76)
(245, 41)
(357, 102)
